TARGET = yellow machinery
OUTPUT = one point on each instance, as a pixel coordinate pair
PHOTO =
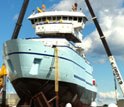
(3, 73)
(41, 11)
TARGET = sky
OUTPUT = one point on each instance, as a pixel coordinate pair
(110, 14)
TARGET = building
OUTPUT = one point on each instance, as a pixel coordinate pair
(120, 103)
(11, 99)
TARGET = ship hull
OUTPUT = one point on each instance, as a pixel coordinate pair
(68, 93)
(30, 66)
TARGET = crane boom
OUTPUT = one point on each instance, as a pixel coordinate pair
(104, 42)
(20, 19)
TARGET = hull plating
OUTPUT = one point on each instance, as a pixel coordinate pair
(76, 95)
(30, 62)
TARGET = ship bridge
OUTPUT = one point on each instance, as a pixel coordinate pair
(60, 24)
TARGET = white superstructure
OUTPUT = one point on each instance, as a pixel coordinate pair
(60, 24)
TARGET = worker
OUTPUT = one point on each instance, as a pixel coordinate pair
(112, 105)
(33, 12)
(93, 104)
(68, 105)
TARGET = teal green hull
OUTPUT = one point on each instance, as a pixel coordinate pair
(28, 60)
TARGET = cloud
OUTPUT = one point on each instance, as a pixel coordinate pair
(106, 98)
(113, 28)
(109, 95)
(63, 5)
(16, 17)
(96, 4)
(100, 61)
(105, 4)
(112, 24)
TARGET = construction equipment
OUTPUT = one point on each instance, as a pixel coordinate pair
(14, 36)
(3, 75)
(3, 72)
(110, 56)
(41, 10)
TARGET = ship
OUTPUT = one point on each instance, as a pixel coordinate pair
(30, 62)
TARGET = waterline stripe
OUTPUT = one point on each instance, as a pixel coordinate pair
(33, 53)
(79, 78)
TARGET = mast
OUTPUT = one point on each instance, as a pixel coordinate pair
(104, 42)
(20, 19)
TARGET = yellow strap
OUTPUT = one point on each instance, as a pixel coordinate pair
(56, 71)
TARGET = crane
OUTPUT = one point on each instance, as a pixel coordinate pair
(15, 34)
(111, 58)
(3, 72)
(20, 19)
(3, 75)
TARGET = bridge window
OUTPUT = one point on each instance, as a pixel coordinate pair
(32, 21)
(80, 19)
(84, 20)
(44, 19)
(49, 18)
(35, 20)
(54, 18)
(70, 18)
(58, 17)
(64, 18)
(75, 18)
(39, 19)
